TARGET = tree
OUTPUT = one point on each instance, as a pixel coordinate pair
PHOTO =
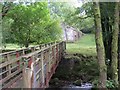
(32, 24)
(80, 17)
(100, 46)
(119, 57)
(6, 7)
(8, 37)
(119, 52)
(115, 44)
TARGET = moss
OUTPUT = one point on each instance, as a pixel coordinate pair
(78, 82)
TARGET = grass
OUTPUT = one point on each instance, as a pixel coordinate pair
(86, 46)
(11, 46)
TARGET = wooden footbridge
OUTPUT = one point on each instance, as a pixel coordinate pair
(32, 67)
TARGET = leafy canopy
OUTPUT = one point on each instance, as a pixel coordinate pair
(32, 24)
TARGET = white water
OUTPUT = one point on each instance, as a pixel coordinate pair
(84, 86)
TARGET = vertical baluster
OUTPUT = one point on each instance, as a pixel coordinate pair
(18, 62)
(27, 74)
(27, 78)
(54, 58)
(42, 62)
(23, 51)
(9, 65)
(49, 58)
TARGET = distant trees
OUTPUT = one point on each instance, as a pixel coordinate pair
(79, 18)
(30, 23)
(72, 16)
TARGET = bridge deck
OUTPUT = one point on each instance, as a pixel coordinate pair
(18, 83)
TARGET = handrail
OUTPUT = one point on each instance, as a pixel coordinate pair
(50, 43)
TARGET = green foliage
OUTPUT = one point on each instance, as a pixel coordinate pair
(59, 9)
(6, 31)
(110, 84)
(51, 32)
(72, 16)
(87, 8)
(32, 24)
(80, 17)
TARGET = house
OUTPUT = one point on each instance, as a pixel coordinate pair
(70, 34)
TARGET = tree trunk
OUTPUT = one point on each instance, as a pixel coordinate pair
(115, 45)
(119, 57)
(100, 47)
(119, 51)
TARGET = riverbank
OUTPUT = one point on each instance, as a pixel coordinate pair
(75, 69)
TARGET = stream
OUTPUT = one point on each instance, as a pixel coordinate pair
(84, 86)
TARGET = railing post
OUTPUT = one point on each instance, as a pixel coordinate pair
(42, 62)
(9, 67)
(18, 62)
(23, 51)
(47, 67)
(63, 48)
(49, 59)
(27, 78)
(27, 74)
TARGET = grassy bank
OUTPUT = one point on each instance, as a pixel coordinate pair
(86, 46)
(11, 46)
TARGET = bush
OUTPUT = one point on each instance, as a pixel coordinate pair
(88, 30)
(110, 84)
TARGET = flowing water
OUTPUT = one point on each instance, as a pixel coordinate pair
(84, 86)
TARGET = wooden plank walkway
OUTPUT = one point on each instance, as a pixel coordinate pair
(17, 84)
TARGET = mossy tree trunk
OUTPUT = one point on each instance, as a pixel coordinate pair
(115, 44)
(119, 48)
(100, 46)
(119, 55)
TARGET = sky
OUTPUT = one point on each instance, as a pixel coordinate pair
(75, 3)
